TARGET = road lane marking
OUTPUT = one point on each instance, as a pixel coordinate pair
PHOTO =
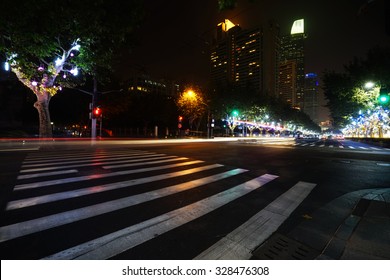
(114, 243)
(21, 203)
(36, 175)
(76, 154)
(99, 176)
(239, 243)
(95, 163)
(383, 164)
(113, 166)
(84, 159)
(19, 149)
(43, 223)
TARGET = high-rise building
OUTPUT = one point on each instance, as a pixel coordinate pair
(141, 82)
(245, 58)
(287, 81)
(311, 96)
(220, 57)
(292, 51)
(271, 55)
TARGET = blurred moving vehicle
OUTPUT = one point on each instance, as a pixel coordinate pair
(332, 136)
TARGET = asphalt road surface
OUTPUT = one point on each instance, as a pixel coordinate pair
(177, 199)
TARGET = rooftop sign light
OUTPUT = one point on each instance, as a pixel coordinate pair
(298, 27)
(226, 25)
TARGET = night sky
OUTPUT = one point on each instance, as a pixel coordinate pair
(173, 41)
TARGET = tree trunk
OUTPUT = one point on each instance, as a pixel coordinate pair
(43, 92)
(42, 105)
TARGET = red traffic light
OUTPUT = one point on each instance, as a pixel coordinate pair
(97, 112)
(180, 118)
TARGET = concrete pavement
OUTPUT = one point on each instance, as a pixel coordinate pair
(355, 226)
(365, 233)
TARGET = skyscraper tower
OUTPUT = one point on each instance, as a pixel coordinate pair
(311, 96)
(235, 56)
(245, 58)
(292, 58)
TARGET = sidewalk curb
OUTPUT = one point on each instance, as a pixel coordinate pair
(340, 245)
(355, 225)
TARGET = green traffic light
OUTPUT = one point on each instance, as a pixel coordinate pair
(384, 96)
(235, 112)
(384, 99)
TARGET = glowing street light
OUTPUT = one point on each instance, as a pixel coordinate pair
(190, 95)
(74, 71)
(6, 66)
(59, 61)
(369, 85)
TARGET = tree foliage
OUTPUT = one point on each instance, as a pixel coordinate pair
(191, 103)
(37, 31)
(254, 106)
(228, 4)
(44, 41)
(338, 91)
(345, 92)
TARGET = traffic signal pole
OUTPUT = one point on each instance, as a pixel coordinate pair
(93, 118)
(95, 110)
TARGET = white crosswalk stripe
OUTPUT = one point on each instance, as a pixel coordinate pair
(130, 237)
(310, 143)
(107, 187)
(97, 160)
(29, 176)
(66, 189)
(242, 241)
(99, 176)
(320, 144)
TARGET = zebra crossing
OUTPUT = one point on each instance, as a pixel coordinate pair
(339, 145)
(290, 142)
(100, 204)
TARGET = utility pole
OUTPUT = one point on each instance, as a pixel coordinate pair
(95, 110)
(93, 118)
